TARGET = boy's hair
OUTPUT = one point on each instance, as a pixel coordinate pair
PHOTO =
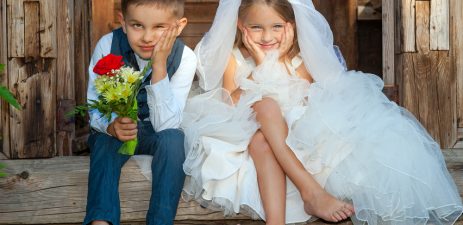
(283, 8)
(176, 6)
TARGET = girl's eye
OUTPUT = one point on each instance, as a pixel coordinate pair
(256, 27)
(278, 27)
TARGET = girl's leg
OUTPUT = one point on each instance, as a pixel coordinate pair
(271, 180)
(317, 201)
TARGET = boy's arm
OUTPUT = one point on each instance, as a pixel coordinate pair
(97, 120)
(166, 100)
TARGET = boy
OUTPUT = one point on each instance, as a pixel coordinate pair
(149, 32)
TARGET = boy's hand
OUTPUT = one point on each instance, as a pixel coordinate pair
(123, 128)
(161, 51)
(254, 50)
(287, 40)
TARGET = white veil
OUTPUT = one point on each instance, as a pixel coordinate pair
(314, 36)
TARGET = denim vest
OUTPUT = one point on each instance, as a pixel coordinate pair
(120, 46)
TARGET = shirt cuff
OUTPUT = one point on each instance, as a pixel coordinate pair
(160, 91)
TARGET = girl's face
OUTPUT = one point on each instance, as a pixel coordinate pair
(264, 25)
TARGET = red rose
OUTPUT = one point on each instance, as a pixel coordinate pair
(105, 65)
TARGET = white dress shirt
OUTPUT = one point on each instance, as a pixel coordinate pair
(166, 99)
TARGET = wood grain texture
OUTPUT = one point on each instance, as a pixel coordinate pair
(439, 25)
(456, 25)
(65, 90)
(408, 25)
(388, 42)
(15, 18)
(48, 34)
(4, 106)
(41, 191)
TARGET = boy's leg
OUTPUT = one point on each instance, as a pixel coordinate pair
(103, 180)
(168, 153)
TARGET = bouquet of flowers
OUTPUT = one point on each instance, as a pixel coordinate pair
(117, 87)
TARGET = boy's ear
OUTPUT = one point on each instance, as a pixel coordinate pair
(181, 24)
(122, 21)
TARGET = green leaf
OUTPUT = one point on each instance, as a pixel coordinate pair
(2, 67)
(8, 96)
(2, 174)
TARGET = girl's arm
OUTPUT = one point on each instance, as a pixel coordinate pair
(304, 73)
(229, 79)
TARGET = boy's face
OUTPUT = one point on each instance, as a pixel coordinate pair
(145, 24)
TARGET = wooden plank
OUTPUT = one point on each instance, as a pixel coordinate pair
(425, 77)
(408, 25)
(439, 27)
(48, 33)
(457, 53)
(388, 42)
(342, 17)
(102, 20)
(65, 93)
(446, 99)
(409, 100)
(32, 28)
(81, 58)
(15, 28)
(4, 107)
(44, 190)
(32, 129)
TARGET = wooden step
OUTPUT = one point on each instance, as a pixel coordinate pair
(54, 190)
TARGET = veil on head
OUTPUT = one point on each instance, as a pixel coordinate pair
(314, 36)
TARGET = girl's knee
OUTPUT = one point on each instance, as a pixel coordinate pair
(259, 145)
(267, 108)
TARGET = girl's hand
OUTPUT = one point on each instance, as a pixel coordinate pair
(254, 50)
(287, 40)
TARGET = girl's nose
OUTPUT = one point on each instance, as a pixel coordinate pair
(266, 36)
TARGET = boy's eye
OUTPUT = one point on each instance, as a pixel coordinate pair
(137, 25)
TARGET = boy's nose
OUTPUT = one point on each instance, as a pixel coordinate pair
(148, 37)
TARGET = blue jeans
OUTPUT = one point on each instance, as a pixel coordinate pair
(168, 153)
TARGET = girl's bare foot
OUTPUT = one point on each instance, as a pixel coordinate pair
(326, 207)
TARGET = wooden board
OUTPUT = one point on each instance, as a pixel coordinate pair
(457, 53)
(65, 90)
(388, 43)
(41, 191)
(439, 26)
(4, 107)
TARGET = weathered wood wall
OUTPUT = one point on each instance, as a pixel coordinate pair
(41, 191)
(43, 53)
(423, 58)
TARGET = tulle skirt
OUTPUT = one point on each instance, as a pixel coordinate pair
(361, 147)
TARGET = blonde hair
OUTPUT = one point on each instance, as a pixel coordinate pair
(283, 8)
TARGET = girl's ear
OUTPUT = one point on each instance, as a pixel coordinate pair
(122, 21)
(181, 23)
(240, 25)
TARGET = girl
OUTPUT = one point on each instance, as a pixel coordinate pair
(282, 121)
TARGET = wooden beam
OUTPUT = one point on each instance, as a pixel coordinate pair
(44, 190)
(407, 24)
(439, 26)
(65, 92)
(4, 106)
(388, 42)
(456, 25)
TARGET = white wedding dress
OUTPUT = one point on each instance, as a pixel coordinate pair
(361, 147)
